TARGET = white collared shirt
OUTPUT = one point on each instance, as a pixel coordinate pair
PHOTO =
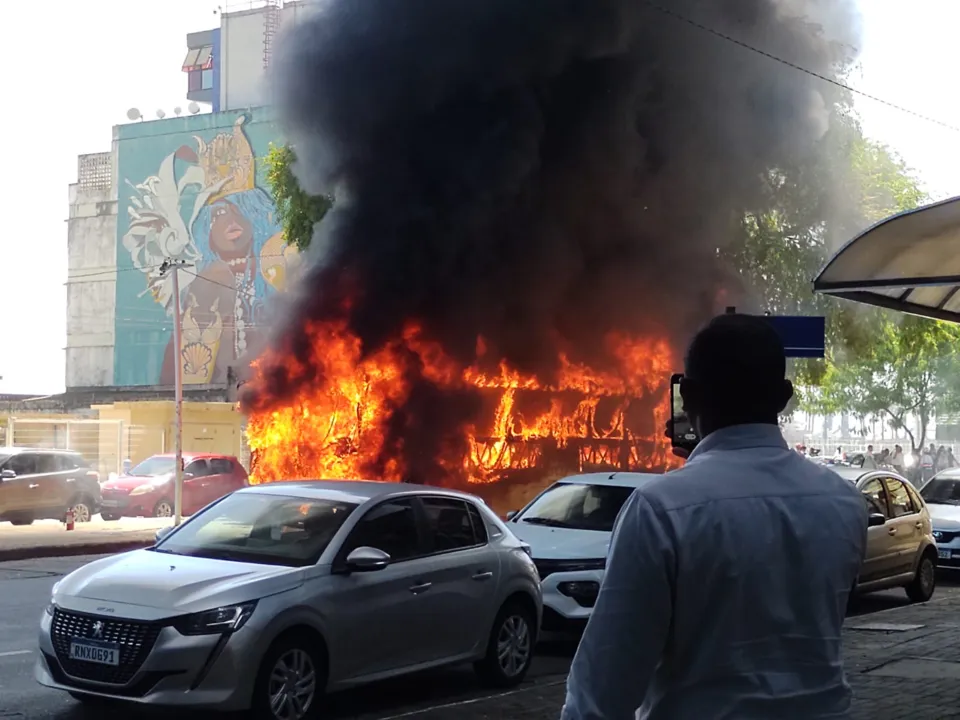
(725, 591)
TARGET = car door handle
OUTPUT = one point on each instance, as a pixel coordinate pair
(420, 588)
(482, 575)
(891, 531)
(34, 487)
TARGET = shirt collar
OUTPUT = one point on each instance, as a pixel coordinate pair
(740, 437)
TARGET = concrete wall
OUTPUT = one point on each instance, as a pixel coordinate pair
(91, 278)
(241, 73)
(194, 191)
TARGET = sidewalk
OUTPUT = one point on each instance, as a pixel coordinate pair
(902, 663)
(48, 538)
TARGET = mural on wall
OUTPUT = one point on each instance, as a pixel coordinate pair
(202, 206)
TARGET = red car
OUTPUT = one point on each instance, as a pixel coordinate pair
(147, 490)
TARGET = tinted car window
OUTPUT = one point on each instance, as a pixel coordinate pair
(47, 463)
(22, 464)
(900, 501)
(268, 529)
(942, 491)
(220, 466)
(479, 526)
(875, 495)
(198, 468)
(578, 506)
(448, 524)
(70, 462)
(391, 526)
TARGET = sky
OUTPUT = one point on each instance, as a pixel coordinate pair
(100, 58)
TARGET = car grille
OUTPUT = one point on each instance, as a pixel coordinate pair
(942, 536)
(549, 567)
(134, 639)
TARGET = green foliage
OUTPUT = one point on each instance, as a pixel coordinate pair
(910, 369)
(297, 212)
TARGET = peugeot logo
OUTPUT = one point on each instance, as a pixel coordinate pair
(937, 535)
(98, 629)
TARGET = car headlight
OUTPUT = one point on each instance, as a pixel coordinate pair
(51, 606)
(219, 620)
(142, 489)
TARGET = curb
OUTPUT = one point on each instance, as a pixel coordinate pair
(51, 551)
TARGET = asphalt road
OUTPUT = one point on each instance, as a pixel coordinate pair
(25, 589)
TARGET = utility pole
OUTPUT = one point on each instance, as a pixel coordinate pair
(165, 267)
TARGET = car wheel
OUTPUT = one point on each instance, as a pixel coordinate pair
(510, 647)
(290, 682)
(82, 511)
(924, 582)
(164, 508)
(108, 517)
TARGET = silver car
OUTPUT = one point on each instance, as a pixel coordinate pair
(901, 551)
(279, 593)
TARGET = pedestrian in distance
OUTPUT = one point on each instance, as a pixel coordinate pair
(727, 580)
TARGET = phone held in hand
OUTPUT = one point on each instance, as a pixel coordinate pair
(683, 436)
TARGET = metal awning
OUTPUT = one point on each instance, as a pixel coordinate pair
(909, 262)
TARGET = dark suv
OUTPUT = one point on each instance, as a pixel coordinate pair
(39, 484)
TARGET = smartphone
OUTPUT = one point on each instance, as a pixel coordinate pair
(683, 436)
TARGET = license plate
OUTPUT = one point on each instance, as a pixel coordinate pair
(99, 653)
(944, 554)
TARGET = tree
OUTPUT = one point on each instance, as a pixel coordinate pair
(910, 370)
(297, 212)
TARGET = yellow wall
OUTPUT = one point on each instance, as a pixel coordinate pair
(149, 428)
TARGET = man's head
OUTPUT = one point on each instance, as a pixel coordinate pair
(734, 374)
(869, 448)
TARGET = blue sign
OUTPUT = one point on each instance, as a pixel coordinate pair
(801, 336)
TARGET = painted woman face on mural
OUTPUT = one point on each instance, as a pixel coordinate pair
(231, 234)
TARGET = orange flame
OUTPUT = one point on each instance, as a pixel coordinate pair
(588, 417)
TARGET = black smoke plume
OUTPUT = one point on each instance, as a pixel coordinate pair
(535, 172)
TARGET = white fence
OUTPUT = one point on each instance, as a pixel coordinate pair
(105, 444)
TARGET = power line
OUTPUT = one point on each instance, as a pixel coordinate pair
(795, 66)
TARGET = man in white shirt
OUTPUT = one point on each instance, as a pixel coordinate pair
(727, 580)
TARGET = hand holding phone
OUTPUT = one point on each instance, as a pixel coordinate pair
(683, 436)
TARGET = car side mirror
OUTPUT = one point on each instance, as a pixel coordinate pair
(876, 520)
(512, 514)
(367, 559)
(7, 475)
(162, 533)
(188, 476)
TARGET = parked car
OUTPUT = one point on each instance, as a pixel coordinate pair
(149, 488)
(942, 497)
(281, 592)
(901, 550)
(568, 527)
(40, 484)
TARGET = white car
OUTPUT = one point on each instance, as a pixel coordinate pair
(568, 528)
(942, 496)
(279, 593)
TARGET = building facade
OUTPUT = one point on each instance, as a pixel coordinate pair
(188, 189)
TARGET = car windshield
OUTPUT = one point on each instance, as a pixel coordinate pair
(942, 491)
(577, 506)
(151, 467)
(261, 528)
(3, 458)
